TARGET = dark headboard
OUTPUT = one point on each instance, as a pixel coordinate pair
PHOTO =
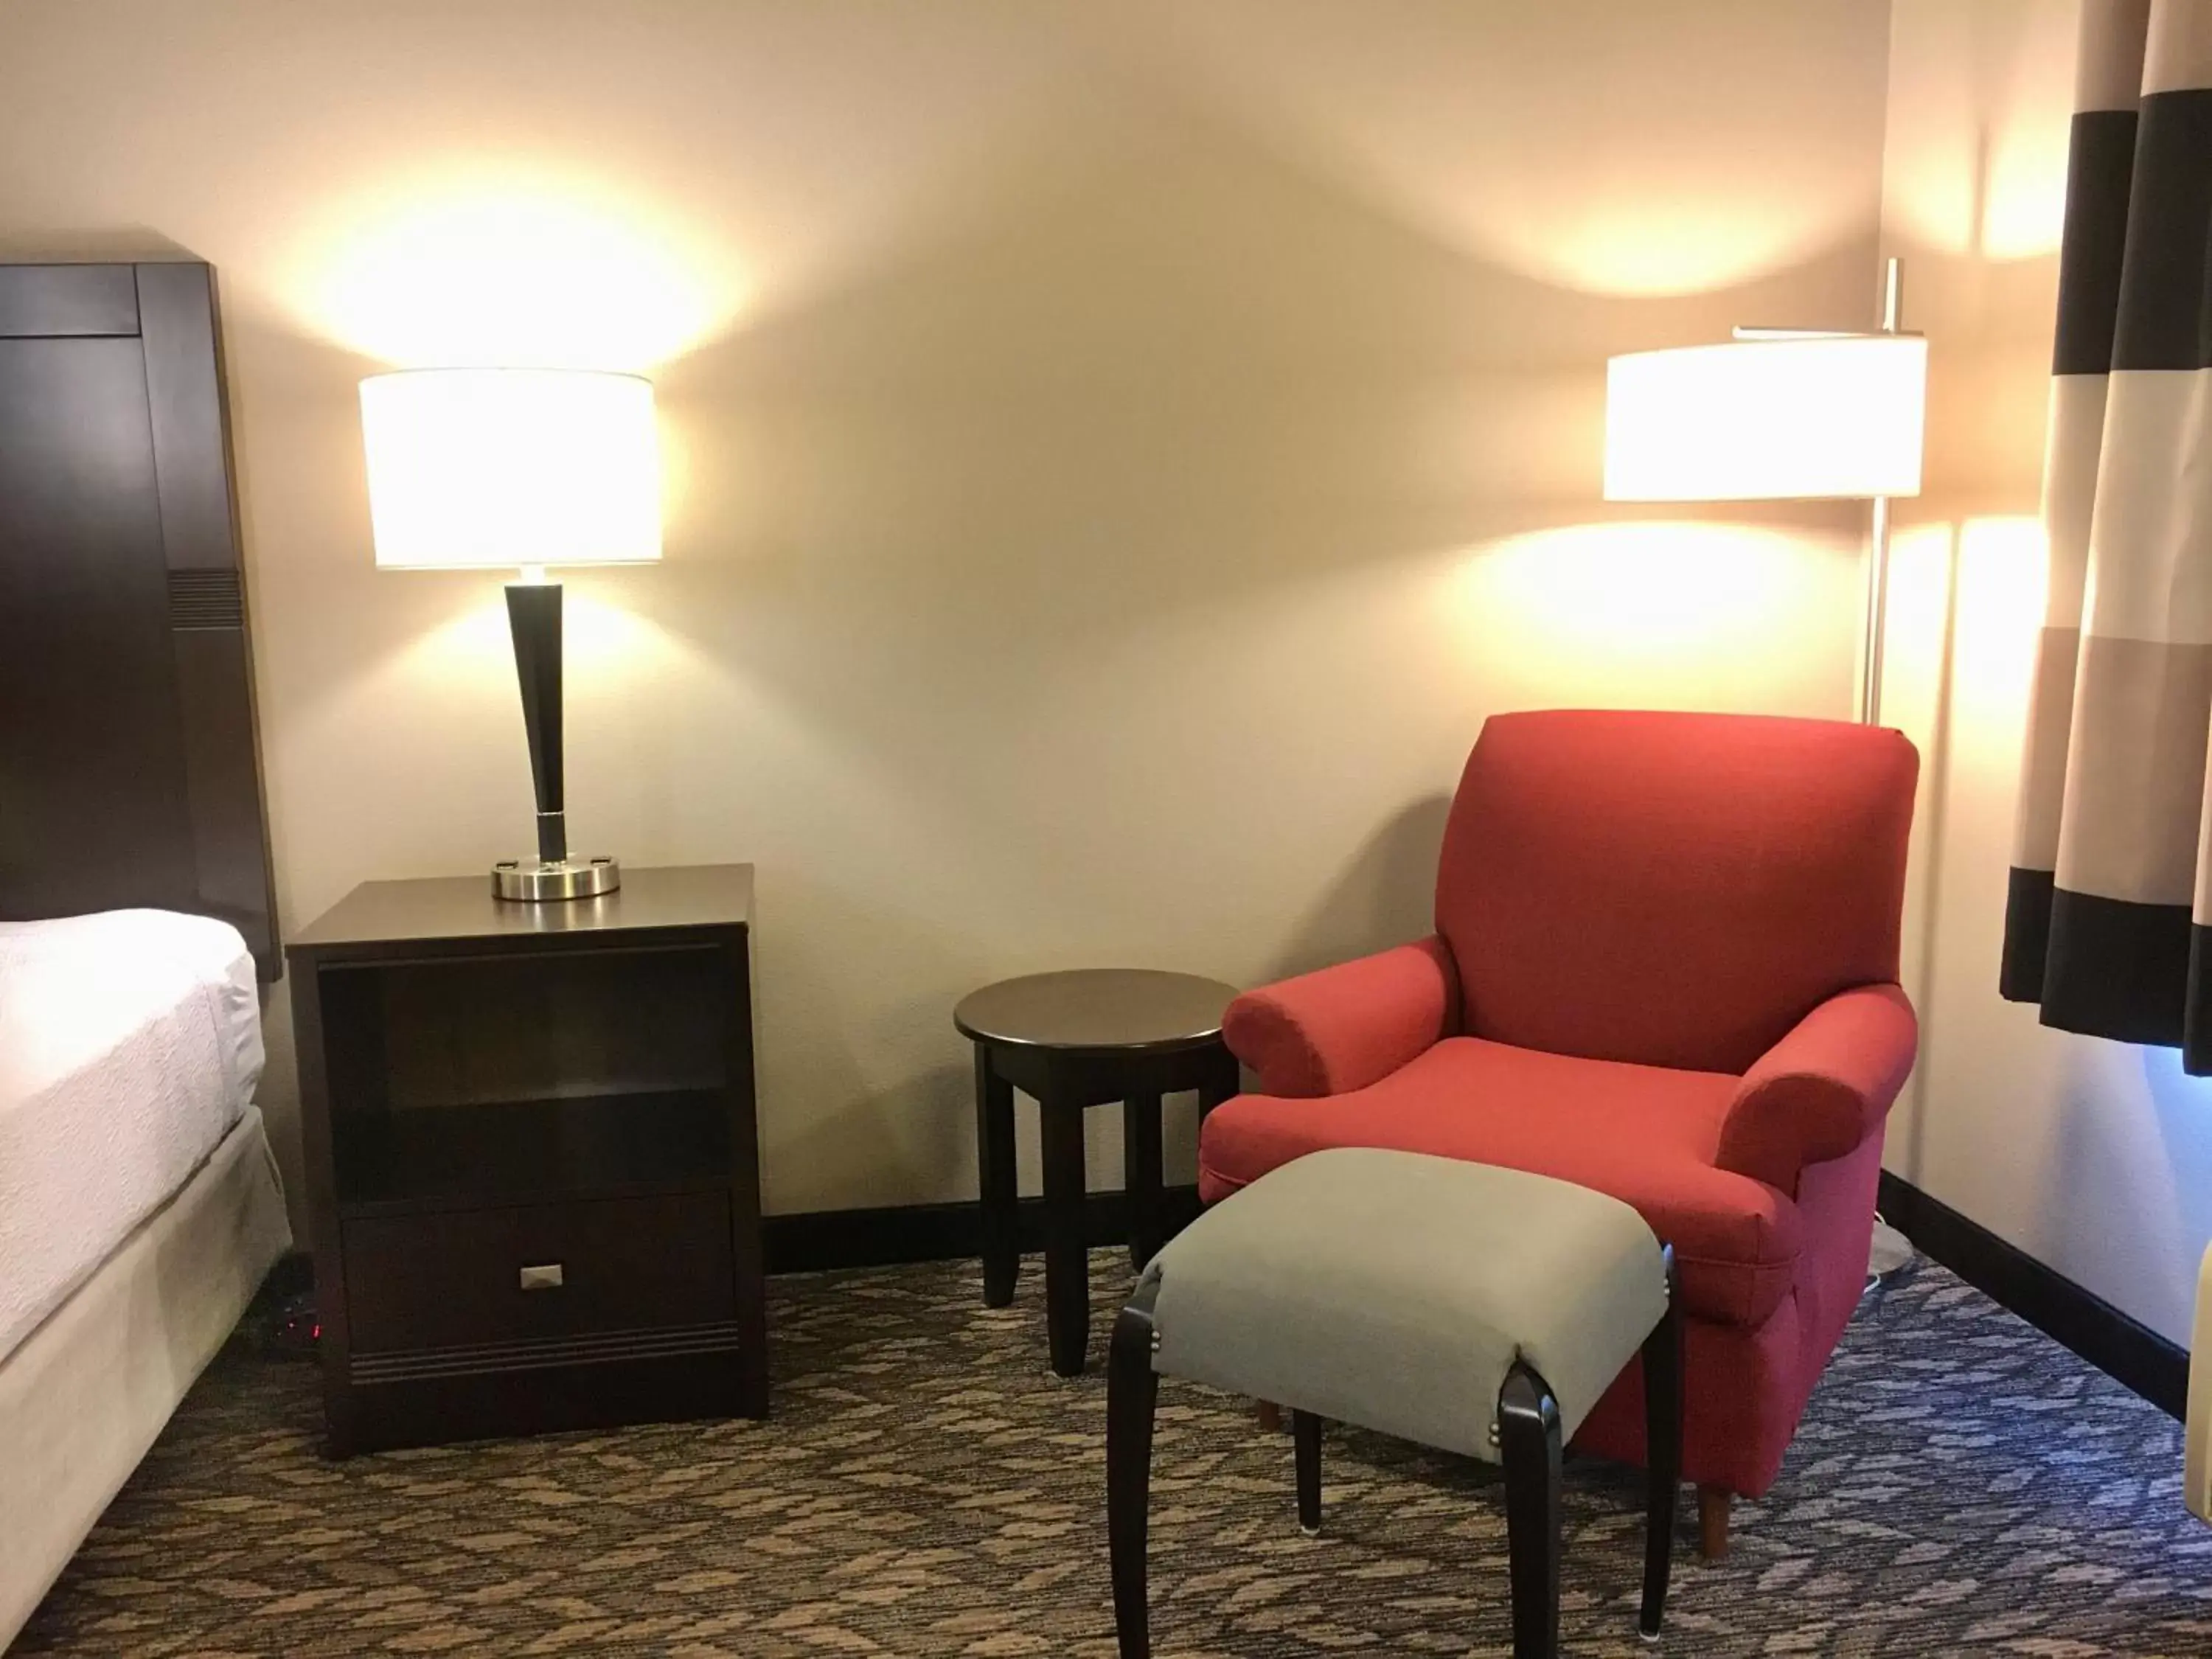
(130, 767)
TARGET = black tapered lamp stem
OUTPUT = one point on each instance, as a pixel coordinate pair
(533, 616)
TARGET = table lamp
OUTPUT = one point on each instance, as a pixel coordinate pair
(476, 468)
(1778, 414)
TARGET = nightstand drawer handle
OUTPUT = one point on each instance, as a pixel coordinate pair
(544, 1277)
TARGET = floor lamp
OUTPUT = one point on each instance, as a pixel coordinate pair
(1779, 414)
(1783, 414)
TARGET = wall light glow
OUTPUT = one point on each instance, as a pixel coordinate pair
(1998, 195)
(2024, 196)
(1645, 593)
(510, 272)
(1434, 119)
(1966, 609)
(1979, 116)
(472, 654)
(1647, 250)
(2003, 563)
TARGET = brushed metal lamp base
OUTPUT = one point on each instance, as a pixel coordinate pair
(535, 880)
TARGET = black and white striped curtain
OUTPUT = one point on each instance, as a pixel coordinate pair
(2109, 920)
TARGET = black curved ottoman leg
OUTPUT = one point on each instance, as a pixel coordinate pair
(1528, 1441)
(1662, 1450)
(1131, 1391)
(1305, 1438)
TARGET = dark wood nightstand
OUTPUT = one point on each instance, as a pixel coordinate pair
(533, 1173)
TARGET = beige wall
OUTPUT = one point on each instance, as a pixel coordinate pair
(2093, 1156)
(1120, 453)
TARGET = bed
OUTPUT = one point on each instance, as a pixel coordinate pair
(139, 1206)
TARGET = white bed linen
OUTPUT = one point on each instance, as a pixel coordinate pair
(84, 1396)
(129, 1045)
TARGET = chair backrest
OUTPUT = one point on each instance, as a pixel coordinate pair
(1673, 890)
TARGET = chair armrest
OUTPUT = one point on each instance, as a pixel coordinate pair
(1823, 1089)
(1345, 1027)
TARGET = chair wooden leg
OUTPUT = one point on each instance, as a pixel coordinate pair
(1305, 1436)
(1662, 1451)
(1269, 1415)
(1528, 1441)
(1714, 1503)
(1132, 1391)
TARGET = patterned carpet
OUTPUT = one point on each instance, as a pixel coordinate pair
(1961, 1485)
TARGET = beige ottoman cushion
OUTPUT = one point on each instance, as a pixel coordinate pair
(1394, 1290)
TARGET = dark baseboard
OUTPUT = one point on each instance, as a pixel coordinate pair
(817, 1239)
(2129, 1352)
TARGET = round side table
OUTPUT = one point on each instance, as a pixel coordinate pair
(1072, 1041)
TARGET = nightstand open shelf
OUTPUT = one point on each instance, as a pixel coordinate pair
(442, 1157)
(533, 1164)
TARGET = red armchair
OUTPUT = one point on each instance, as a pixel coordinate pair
(1665, 967)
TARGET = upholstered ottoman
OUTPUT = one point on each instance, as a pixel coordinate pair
(1476, 1309)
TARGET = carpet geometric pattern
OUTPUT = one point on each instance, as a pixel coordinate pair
(1961, 1485)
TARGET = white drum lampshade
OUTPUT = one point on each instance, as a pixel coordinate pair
(490, 467)
(1798, 417)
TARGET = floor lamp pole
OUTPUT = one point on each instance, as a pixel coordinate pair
(1890, 1248)
(1877, 594)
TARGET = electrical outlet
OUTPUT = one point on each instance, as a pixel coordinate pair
(2196, 1467)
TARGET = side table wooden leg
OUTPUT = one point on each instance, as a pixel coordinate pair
(1140, 1162)
(995, 1160)
(1067, 1268)
(1222, 1083)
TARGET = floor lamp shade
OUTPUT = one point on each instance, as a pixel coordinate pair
(509, 467)
(489, 467)
(1800, 417)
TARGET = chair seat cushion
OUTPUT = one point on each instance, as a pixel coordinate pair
(1397, 1292)
(1645, 1134)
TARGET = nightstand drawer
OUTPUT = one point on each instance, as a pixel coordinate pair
(476, 1277)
